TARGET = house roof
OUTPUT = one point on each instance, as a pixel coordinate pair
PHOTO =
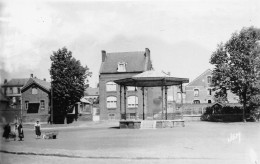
(91, 91)
(16, 82)
(135, 62)
(194, 82)
(42, 83)
(3, 97)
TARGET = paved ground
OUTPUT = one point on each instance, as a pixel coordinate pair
(197, 142)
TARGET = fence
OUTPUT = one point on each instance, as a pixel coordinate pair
(152, 116)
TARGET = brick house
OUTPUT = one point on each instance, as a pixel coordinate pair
(116, 66)
(36, 100)
(199, 91)
(12, 90)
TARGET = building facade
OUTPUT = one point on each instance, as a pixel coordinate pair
(200, 91)
(12, 90)
(116, 66)
(36, 100)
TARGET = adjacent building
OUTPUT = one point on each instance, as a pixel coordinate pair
(12, 90)
(200, 91)
(116, 66)
(36, 100)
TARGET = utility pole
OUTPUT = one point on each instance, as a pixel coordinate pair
(51, 102)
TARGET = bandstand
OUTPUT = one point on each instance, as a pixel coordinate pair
(145, 80)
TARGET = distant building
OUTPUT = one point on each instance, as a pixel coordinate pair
(199, 91)
(92, 94)
(36, 100)
(116, 66)
(12, 90)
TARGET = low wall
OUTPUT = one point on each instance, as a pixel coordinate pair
(130, 124)
(43, 118)
(191, 117)
(85, 117)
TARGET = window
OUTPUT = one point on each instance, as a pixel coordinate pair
(26, 105)
(179, 95)
(111, 102)
(209, 92)
(121, 67)
(209, 79)
(111, 116)
(11, 90)
(132, 102)
(111, 86)
(34, 91)
(15, 90)
(42, 104)
(132, 88)
(209, 101)
(18, 90)
(196, 92)
(196, 101)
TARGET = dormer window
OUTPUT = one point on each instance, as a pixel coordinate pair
(121, 67)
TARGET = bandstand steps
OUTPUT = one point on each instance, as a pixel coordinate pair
(146, 124)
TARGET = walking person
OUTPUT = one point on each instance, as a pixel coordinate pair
(20, 132)
(7, 131)
(37, 128)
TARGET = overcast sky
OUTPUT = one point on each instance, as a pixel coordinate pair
(181, 34)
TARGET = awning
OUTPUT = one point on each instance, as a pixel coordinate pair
(83, 100)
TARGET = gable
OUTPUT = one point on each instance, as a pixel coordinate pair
(43, 85)
(201, 80)
(135, 62)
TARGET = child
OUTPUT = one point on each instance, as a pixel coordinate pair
(37, 128)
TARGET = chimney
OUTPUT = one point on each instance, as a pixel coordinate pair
(104, 55)
(31, 75)
(147, 52)
(5, 81)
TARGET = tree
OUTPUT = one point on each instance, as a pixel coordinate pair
(237, 64)
(68, 82)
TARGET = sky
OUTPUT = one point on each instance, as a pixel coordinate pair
(181, 34)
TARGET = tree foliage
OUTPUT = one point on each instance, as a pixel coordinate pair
(68, 81)
(237, 64)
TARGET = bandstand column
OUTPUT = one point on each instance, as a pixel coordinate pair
(125, 100)
(162, 102)
(143, 101)
(120, 101)
(166, 102)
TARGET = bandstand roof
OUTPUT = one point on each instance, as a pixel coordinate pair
(151, 79)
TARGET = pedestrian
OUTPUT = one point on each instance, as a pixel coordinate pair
(20, 131)
(7, 131)
(37, 128)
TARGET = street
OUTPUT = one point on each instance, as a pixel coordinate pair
(197, 142)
